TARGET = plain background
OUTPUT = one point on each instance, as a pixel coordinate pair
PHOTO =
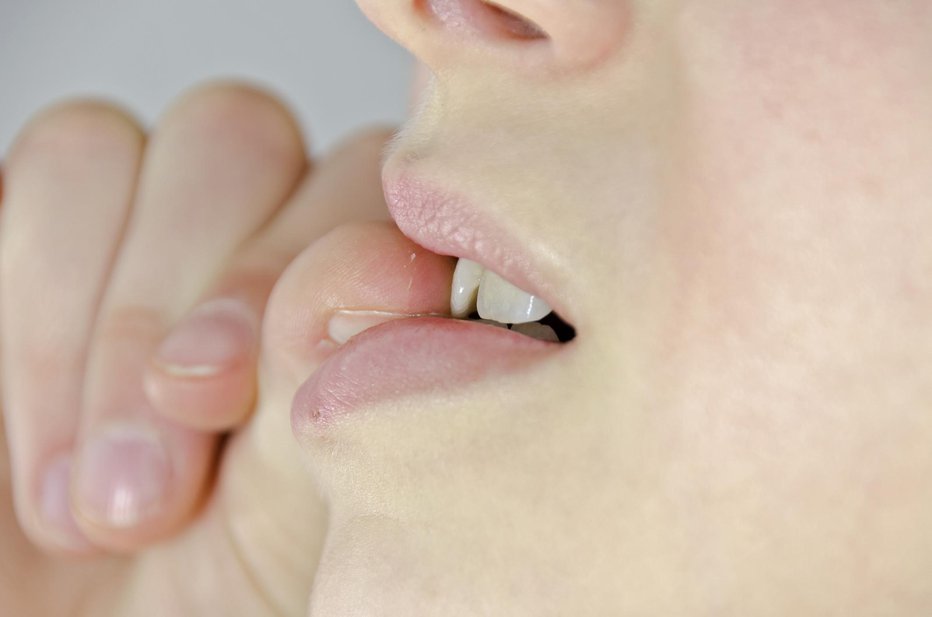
(333, 68)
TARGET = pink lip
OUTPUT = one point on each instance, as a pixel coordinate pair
(421, 354)
(427, 354)
(449, 224)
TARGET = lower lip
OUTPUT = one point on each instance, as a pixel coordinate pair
(410, 356)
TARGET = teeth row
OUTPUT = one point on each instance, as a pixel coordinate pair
(495, 299)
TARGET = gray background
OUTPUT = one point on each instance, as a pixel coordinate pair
(332, 67)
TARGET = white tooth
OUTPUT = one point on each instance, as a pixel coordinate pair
(466, 280)
(501, 301)
(538, 331)
(346, 324)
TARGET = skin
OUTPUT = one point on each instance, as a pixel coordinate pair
(81, 161)
(742, 425)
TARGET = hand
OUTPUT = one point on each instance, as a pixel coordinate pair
(134, 277)
(110, 248)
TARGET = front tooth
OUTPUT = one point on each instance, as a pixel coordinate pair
(501, 301)
(466, 280)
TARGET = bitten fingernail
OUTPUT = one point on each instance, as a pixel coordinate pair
(212, 338)
(123, 477)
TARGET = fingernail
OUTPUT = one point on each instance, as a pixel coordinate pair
(123, 477)
(55, 505)
(210, 339)
(344, 325)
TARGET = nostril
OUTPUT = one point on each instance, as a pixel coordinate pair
(483, 17)
(512, 23)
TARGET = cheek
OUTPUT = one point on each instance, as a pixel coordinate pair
(801, 170)
(793, 228)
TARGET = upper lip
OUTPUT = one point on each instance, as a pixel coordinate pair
(448, 223)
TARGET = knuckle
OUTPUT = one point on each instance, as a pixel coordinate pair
(81, 130)
(236, 113)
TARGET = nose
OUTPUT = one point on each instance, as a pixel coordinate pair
(558, 36)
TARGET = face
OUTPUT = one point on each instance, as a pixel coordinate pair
(729, 202)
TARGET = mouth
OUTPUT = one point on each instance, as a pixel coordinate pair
(480, 294)
(494, 281)
(504, 319)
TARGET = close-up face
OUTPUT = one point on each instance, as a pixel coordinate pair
(727, 205)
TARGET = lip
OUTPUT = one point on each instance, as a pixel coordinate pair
(431, 355)
(411, 356)
(448, 223)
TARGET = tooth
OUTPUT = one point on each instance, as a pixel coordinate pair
(466, 280)
(501, 301)
(538, 331)
(346, 324)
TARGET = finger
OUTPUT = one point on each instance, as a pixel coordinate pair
(204, 374)
(69, 182)
(337, 271)
(220, 164)
(358, 275)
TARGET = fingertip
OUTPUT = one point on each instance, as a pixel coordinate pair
(216, 403)
(203, 374)
(137, 482)
(216, 336)
(124, 478)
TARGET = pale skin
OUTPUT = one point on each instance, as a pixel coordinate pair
(70, 165)
(735, 197)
